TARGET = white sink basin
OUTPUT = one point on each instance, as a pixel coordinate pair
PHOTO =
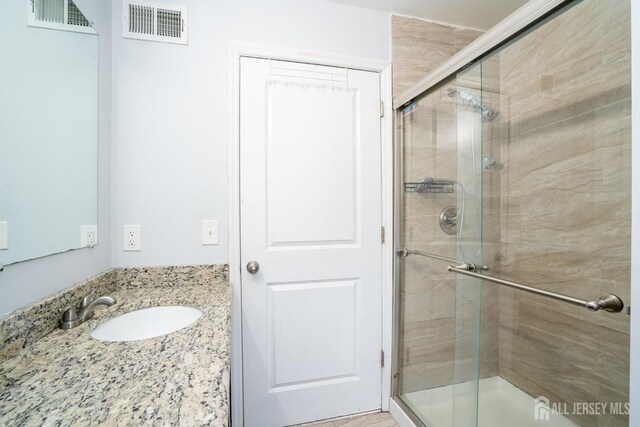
(146, 323)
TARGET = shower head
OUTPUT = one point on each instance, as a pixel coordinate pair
(469, 99)
(488, 114)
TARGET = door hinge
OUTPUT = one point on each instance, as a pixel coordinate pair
(381, 108)
(382, 358)
(382, 235)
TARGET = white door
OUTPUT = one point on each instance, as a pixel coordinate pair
(311, 218)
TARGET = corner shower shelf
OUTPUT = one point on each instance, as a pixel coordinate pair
(430, 185)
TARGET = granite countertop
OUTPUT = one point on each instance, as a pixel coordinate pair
(68, 378)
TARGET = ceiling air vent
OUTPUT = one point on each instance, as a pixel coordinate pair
(58, 15)
(154, 21)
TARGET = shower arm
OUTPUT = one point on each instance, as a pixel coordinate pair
(608, 302)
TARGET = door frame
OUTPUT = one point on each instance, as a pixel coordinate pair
(383, 68)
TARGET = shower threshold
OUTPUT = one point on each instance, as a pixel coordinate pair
(500, 404)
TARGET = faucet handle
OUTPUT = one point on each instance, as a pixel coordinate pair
(87, 300)
(69, 314)
(69, 318)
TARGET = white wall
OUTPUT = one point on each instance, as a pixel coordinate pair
(635, 216)
(21, 284)
(169, 169)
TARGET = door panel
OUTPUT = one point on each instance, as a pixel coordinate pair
(311, 217)
(331, 309)
(323, 187)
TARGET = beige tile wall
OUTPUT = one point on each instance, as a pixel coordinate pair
(565, 205)
(420, 46)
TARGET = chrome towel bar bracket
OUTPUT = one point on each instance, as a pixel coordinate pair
(608, 302)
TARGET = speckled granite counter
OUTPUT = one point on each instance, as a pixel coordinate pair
(68, 378)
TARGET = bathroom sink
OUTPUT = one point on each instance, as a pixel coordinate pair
(146, 323)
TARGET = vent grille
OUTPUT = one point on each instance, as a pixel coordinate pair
(75, 17)
(58, 15)
(156, 22)
(141, 19)
(49, 11)
(169, 23)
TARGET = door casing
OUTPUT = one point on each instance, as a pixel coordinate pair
(237, 51)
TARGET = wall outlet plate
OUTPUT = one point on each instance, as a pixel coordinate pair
(209, 232)
(132, 238)
(88, 236)
(4, 235)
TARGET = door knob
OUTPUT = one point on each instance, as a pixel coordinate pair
(253, 267)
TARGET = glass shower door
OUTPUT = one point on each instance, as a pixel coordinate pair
(441, 217)
(520, 163)
(470, 293)
(560, 179)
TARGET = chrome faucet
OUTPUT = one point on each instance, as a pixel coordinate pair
(72, 318)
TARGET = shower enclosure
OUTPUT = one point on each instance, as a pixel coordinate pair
(514, 231)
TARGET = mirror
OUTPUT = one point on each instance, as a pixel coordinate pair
(48, 129)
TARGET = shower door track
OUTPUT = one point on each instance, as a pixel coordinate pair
(608, 302)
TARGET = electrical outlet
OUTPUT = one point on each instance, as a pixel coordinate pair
(4, 235)
(210, 232)
(88, 236)
(132, 238)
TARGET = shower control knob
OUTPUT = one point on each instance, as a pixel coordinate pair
(449, 219)
(253, 267)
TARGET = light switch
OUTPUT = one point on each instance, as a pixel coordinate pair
(210, 232)
(4, 235)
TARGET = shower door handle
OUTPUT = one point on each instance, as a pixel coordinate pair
(608, 302)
